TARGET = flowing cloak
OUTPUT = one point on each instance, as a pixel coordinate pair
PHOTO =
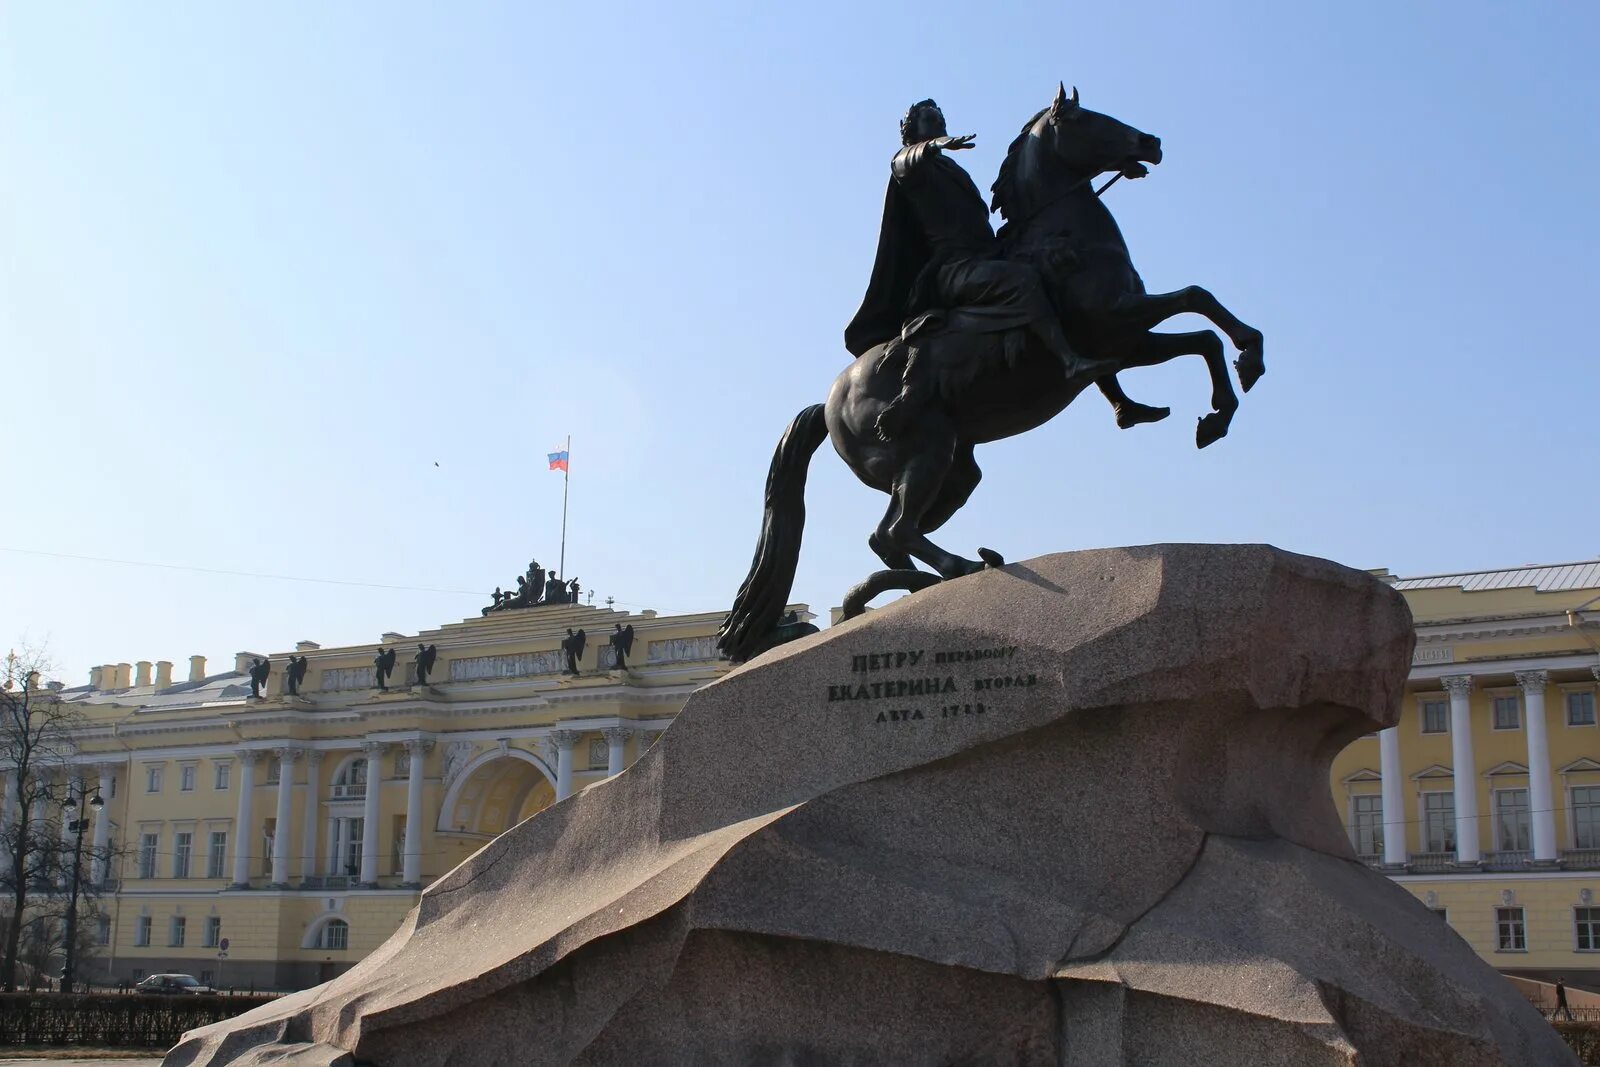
(902, 253)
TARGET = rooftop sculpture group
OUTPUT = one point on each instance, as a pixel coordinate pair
(535, 588)
(968, 336)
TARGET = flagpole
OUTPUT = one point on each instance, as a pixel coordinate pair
(566, 478)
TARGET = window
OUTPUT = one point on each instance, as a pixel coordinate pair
(335, 935)
(1580, 709)
(205, 978)
(176, 938)
(1366, 824)
(224, 773)
(152, 779)
(397, 846)
(147, 855)
(351, 781)
(1439, 822)
(217, 854)
(1586, 816)
(182, 847)
(1511, 830)
(1586, 923)
(186, 778)
(1507, 713)
(1510, 932)
(1435, 717)
(141, 931)
(213, 931)
(102, 930)
(1442, 914)
(138, 973)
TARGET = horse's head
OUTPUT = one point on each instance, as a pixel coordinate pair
(1089, 143)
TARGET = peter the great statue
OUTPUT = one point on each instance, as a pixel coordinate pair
(968, 336)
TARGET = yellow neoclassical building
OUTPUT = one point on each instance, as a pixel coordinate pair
(275, 840)
(1484, 802)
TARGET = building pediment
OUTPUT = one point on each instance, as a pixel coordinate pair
(1437, 770)
(1509, 767)
(1365, 774)
(1579, 766)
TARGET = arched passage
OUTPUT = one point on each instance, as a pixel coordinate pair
(495, 792)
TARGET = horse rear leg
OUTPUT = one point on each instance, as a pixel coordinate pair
(962, 479)
(1155, 348)
(917, 488)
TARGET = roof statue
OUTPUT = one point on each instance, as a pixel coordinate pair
(968, 336)
(259, 670)
(572, 645)
(383, 667)
(426, 656)
(622, 644)
(294, 675)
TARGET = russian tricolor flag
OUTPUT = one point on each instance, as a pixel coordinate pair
(558, 461)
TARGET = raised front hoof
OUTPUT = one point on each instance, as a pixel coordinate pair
(1212, 428)
(991, 558)
(1134, 414)
(1250, 365)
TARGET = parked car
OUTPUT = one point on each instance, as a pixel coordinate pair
(172, 984)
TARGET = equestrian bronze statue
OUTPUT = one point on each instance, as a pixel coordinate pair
(968, 336)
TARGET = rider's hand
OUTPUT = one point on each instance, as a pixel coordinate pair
(953, 144)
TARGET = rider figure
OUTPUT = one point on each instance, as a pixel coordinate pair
(937, 249)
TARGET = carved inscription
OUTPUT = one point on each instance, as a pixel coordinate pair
(932, 674)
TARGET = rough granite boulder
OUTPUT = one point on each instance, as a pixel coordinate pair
(1071, 811)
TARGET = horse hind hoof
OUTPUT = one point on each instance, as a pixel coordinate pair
(1250, 365)
(1212, 428)
(991, 558)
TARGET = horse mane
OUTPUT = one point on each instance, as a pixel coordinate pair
(1005, 185)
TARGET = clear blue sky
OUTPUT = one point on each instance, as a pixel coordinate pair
(263, 266)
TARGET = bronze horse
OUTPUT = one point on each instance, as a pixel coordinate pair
(982, 387)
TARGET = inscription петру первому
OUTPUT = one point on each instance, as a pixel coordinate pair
(928, 684)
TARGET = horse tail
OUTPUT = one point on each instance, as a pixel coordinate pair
(759, 605)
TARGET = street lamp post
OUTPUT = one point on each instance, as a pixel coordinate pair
(69, 807)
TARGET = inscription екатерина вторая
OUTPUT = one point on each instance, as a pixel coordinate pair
(935, 684)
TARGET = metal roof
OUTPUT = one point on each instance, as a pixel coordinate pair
(1545, 578)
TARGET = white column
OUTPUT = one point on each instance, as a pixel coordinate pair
(1541, 799)
(282, 838)
(563, 740)
(616, 737)
(308, 844)
(1464, 770)
(102, 825)
(373, 751)
(244, 822)
(1394, 804)
(411, 858)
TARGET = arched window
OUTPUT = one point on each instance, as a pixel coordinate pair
(335, 934)
(351, 781)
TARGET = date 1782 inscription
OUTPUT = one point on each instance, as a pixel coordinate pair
(933, 678)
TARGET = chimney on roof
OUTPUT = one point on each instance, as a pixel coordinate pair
(241, 660)
(124, 676)
(94, 677)
(306, 646)
(391, 638)
(197, 668)
(143, 676)
(163, 673)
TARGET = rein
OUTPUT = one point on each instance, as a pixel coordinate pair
(1062, 195)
